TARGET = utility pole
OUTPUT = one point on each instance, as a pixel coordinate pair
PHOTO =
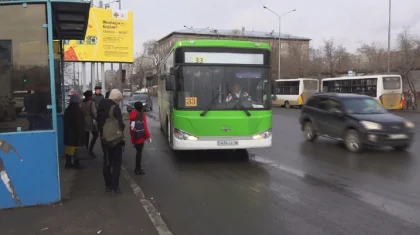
(74, 76)
(120, 69)
(389, 39)
(279, 16)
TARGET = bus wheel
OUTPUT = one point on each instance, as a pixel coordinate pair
(287, 105)
(168, 132)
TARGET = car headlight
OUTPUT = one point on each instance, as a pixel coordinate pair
(182, 135)
(371, 125)
(409, 124)
(263, 135)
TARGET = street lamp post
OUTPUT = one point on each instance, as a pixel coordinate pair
(389, 38)
(107, 5)
(279, 16)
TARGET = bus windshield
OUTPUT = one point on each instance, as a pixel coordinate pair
(222, 87)
(392, 83)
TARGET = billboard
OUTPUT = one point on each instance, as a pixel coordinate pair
(109, 38)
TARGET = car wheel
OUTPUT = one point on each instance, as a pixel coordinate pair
(352, 141)
(287, 105)
(402, 147)
(309, 132)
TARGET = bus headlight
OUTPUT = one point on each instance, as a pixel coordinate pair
(409, 124)
(182, 135)
(263, 135)
(371, 125)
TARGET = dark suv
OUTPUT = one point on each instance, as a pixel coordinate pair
(357, 120)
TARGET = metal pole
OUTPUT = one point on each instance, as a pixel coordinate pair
(84, 77)
(103, 77)
(279, 16)
(389, 39)
(279, 46)
(92, 75)
(74, 75)
(120, 66)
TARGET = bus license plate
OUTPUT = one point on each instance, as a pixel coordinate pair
(398, 136)
(227, 143)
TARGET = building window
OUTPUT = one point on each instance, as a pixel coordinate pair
(25, 98)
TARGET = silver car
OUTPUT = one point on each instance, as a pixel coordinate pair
(144, 98)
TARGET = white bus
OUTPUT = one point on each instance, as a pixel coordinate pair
(294, 92)
(386, 88)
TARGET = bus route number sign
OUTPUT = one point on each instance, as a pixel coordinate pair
(190, 101)
(198, 59)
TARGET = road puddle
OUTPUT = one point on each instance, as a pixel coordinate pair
(388, 206)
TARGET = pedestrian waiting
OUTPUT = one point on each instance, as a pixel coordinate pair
(139, 132)
(111, 128)
(90, 115)
(74, 131)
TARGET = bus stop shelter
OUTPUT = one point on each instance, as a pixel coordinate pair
(31, 127)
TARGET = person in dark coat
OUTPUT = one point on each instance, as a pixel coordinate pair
(97, 97)
(89, 110)
(74, 131)
(113, 158)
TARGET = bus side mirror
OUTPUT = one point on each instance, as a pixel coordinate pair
(173, 71)
(170, 83)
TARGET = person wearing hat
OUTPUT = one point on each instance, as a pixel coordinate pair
(74, 131)
(97, 97)
(113, 158)
(89, 111)
(139, 133)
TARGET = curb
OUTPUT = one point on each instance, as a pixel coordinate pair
(405, 111)
(155, 118)
(151, 211)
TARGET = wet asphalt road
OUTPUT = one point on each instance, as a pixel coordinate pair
(292, 188)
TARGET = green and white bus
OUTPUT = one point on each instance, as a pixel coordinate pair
(213, 94)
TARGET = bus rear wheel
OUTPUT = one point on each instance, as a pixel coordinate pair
(287, 105)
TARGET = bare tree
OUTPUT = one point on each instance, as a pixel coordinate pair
(157, 52)
(296, 63)
(329, 51)
(375, 55)
(316, 62)
(344, 62)
(143, 66)
(69, 73)
(409, 56)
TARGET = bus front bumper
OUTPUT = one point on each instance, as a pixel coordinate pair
(222, 143)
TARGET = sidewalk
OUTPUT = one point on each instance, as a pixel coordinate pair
(85, 208)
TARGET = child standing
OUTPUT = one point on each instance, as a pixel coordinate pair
(139, 134)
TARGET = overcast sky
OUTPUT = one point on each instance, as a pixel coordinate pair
(349, 22)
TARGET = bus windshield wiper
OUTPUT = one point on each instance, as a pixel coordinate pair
(238, 102)
(210, 104)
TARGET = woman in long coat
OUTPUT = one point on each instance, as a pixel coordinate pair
(90, 115)
(74, 131)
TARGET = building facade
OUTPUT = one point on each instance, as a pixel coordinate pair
(294, 49)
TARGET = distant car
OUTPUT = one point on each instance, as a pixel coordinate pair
(145, 99)
(18, 97)
(357, 120)
(7, 108)
(127, 93)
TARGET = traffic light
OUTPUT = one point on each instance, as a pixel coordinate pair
(123, 74)
(25, 79)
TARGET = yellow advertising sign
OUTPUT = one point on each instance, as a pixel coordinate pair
(109, 38)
